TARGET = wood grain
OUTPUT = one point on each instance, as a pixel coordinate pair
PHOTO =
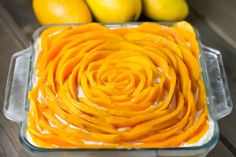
(219, 151)
(9, 140)
(23, 14)
(220, 16)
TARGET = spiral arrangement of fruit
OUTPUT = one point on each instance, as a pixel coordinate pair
(117, 88)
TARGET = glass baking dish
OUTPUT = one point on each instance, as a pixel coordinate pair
(19, 82)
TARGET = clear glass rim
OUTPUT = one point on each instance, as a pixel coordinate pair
(207, 146)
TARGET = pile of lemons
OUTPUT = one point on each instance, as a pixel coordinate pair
(108, 11)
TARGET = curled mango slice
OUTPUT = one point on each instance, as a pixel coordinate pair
(117, 88)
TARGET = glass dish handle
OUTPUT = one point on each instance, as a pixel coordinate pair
(16, 87)
(219, 89)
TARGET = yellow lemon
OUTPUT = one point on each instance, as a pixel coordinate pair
(165, 10)
(61, 11)
(115, 10)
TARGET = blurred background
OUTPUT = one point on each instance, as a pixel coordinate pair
(215, 20)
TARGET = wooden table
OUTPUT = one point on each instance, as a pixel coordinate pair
(17, 23)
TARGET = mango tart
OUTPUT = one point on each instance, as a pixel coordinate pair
(117, 88)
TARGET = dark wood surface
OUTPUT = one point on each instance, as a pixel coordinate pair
(220, 16)
(17, 23)
(10, 42)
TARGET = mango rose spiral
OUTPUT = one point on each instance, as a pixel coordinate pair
(117, 88)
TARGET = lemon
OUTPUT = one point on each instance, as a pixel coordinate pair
(113, 11)
(165, 10)
(61, 11)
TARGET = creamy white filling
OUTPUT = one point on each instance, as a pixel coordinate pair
(205, 138)
(80, 92)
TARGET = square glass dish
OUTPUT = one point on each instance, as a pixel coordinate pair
(19, 83)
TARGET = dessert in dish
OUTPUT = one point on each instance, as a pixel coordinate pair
(96, 87)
